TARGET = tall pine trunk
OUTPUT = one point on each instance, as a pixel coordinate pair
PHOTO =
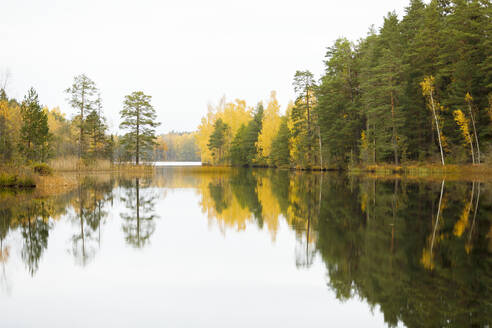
(137, 157)
(81, 123)
(395, 145)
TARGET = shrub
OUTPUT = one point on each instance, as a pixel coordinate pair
(26, 182)
(43, 169)
(7, 180)
(14, 181)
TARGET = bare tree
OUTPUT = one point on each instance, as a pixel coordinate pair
(5, 77)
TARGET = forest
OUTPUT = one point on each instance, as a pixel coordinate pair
(33, 135)
(177, 146)
(416, 90)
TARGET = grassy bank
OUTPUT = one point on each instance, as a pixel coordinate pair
(423, 171)
(17, 180)
(43, 180)
(36, 177)
(73, 164)
(411, 170)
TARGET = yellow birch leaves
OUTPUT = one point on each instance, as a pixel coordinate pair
(463, 123)
(270, 126)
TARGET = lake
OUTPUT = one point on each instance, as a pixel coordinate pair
(218, 247)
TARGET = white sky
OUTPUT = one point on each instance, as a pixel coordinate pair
(185, 54)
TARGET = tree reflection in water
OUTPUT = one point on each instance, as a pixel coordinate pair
(419, 250)
(5, 221)
(88, 217)
(397, 244)
(139, 223)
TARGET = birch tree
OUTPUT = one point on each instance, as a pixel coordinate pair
(428, 92)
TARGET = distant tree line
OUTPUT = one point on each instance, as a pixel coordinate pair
(31, 133)
(417, 89)
(177, 146)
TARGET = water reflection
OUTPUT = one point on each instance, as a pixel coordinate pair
(418, 250)
(88, 216)
(139, 222)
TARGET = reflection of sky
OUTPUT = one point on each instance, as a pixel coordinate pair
(189, 275)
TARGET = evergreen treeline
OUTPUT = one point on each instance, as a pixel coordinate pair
(31, 133)
(417, 89)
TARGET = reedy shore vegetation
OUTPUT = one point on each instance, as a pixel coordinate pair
(415, 93)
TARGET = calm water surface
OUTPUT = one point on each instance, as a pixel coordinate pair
(197, 246)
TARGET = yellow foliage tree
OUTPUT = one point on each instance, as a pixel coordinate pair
(160, 148)
(464, 125)
(10, 124)
(234, 114)
(270, 126)
(205, 129)
(469, 101)
(428, 91)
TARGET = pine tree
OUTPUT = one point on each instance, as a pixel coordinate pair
(109, 148)
(381, 74)
(251, 135)
(339, 103)
(218, 140)
(83, 97)
(238, 153)
(96, 131)
(416, 60)
(34, 133)
(139, 118)
(280, 153)
(304, 124)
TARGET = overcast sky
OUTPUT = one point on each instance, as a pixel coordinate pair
(185, 54)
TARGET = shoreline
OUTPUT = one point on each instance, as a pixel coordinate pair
(58, 181)
(468, 172)
(63, 181)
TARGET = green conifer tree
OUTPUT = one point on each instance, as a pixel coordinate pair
(34, 133)
(139, 119)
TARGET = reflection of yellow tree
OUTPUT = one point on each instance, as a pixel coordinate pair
(302, 213)
(224, 209)
(463, 223)
(4, 254)
(233, 199)
(427, 259)
(269, 204)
